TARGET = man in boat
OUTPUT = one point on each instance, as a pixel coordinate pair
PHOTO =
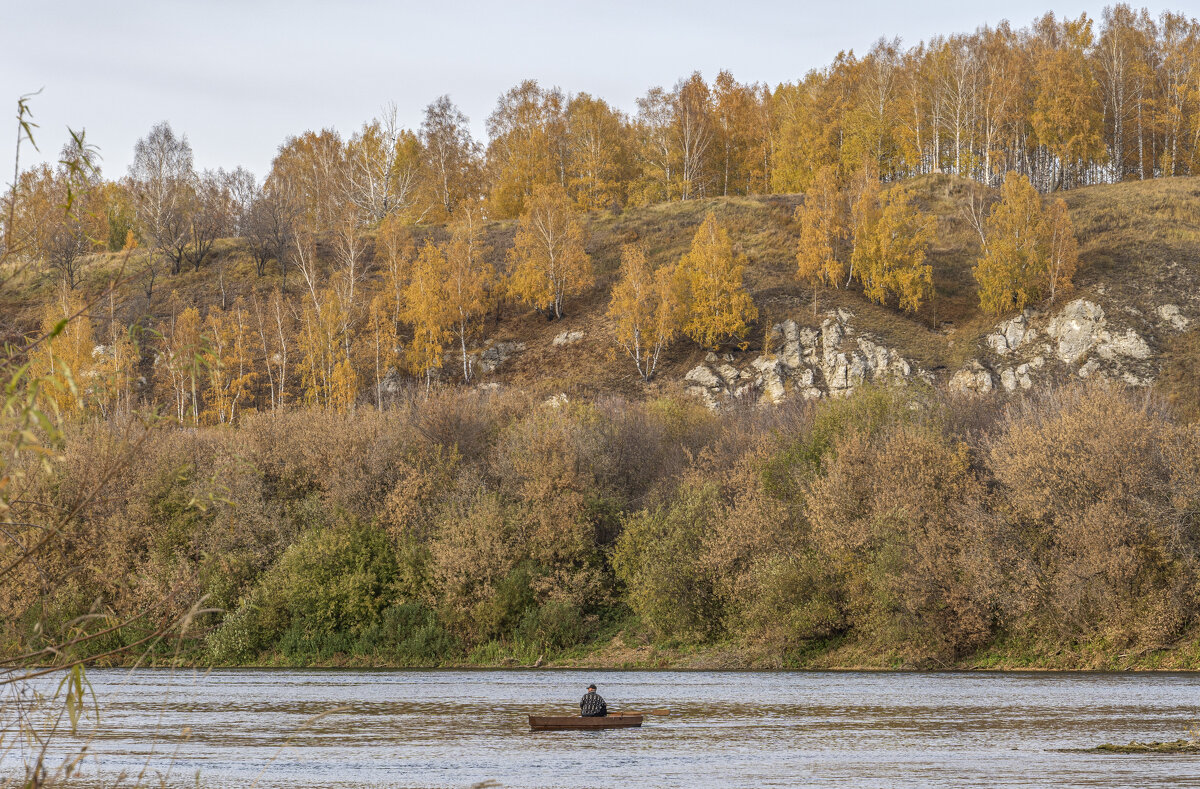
(592, 704)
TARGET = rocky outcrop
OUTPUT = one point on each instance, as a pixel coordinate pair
(1171, 315)
(1080, 340)
(972, 379)
(567, 338)
(495, 355)
(802, 361)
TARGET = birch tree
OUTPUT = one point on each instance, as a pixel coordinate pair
(548, 260)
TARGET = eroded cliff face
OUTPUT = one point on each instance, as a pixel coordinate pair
(1080, 339)
(803, 362)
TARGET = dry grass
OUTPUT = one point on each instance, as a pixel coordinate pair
(1139, 243)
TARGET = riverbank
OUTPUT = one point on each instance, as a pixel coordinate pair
(622, 652)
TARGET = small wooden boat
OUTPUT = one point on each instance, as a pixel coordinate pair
(614, 720)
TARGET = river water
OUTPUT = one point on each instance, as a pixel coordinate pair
(242, 728)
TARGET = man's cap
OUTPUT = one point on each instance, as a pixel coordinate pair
(591, 687)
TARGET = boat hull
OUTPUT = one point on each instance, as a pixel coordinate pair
(575, 722)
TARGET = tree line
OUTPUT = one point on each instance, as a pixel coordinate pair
(1065, 102)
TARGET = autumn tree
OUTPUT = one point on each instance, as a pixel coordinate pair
(528, 145)
(1062, 248)
(270, 224)
(60, 236)
(1066, 115)
(822, 219)
(231, 372)
(313, 170)
(469, 280)
(449, 158)
(548, 260)
(890, 245)
(1029, 252)
(654, 143)
(739, 137)
(183, 354)
(693, 135)
(65, 359)
(646, 309)
(273, 326)
(599, 156)
(326, 370)
(383, 166)
(710, 275)
(872, 109)
(427, 310)
(212, 215)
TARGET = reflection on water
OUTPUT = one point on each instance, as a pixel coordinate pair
(456, 728)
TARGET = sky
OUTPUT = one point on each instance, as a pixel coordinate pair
(239, 76)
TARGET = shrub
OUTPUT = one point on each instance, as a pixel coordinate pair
(1103, 491)
(893, 515)
(660, 559)
(324, 591)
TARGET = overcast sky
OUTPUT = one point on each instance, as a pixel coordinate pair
(238, 76)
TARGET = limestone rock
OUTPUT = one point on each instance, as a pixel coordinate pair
(702, 375)
(1170, 314)
(1075, 329)
(497, 354)
(1012, 334)
(799, 360)
(567, 338)
(1130, 345)
(972, 379)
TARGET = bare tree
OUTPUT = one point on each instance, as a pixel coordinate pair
(211, 215)
(383, 162)
(162, 177)
(693, 134)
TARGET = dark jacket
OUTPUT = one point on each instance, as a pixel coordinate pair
(592, 705)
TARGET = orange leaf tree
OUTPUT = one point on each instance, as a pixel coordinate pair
(1029, 251)
(427, 310)
(822, 228)
(645, 309)
(889, 252)
(710, 276)
(548, 260)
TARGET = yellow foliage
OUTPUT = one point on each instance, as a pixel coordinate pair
(182, 355)
(470, 281)
(231, 372)
(65, 360)
(326, 374)
(646, 309)
(710, 277)
(822, 228)
(427, 310)
(889, 250)
(548, 259)
(1030, 252)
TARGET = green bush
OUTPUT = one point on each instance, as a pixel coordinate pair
(659, 557)
(325, 591)
(408, 633)
(553, 626)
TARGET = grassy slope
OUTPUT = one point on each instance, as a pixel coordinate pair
(1140, 247)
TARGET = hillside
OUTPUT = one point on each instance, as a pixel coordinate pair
(880, 526)
(1139, 263)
